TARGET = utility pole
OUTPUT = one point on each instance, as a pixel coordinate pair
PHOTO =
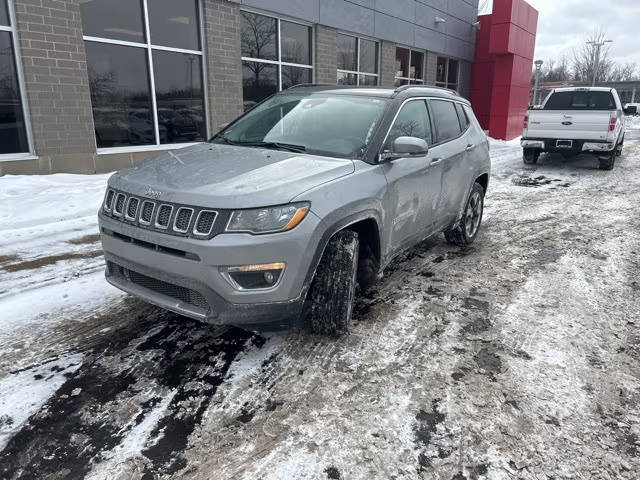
(597, 45)
(538, 64)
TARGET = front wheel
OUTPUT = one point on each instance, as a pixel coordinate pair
(329, 303)
(467, 230)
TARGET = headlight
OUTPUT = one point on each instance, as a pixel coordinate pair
(268, 219)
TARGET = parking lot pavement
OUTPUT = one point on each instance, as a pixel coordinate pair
(515, 358)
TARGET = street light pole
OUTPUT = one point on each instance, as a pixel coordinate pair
(598, 45)
(538, 64)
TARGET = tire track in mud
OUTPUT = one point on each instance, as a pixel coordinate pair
(124, 376)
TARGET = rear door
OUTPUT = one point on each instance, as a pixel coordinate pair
(450, 149)
(573, 115)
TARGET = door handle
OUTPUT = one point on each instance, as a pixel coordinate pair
(436, 160)
(470, 147)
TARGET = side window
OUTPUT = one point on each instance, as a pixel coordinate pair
(462, 116)
(412, 121)
(445, 119)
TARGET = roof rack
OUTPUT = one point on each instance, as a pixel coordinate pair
(402, 88)
(299, 85)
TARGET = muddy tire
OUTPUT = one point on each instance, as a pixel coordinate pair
(619, 148)
(530, 156)
(467, 230)
(608, 162)
(329, 303)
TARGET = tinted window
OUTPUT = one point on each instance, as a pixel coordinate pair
(296, 43)
(416, 64)
(179, 97)
(259, 80)
(337, 125)
(412, 121)
(441, 70)
(295, 75)
(120, 95)
(259, 36)
(452, 76)
(114, 19)
(402, 62)
(4, 14)
(174, 24)
(347, 48)
(580, 100)
(462, 116)
(347, 78)
(13, 137)
(368, 56)
(446, 120)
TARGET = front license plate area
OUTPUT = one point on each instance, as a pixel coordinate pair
(564, 143)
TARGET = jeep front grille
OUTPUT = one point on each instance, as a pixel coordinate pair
(166, 217)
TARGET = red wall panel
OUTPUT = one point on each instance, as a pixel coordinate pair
(501, 71)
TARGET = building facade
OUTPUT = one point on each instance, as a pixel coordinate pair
(96, 85)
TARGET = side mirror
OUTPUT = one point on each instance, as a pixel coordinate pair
(631, 110)
(406, 147)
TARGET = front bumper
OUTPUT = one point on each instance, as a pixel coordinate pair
(184, 275)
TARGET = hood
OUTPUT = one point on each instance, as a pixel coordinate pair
(227, 176)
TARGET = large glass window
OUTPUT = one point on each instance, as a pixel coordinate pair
(131, 106)
(357, 61)
(276, 55)
(13, 130)
(447, 73)
(409, 67)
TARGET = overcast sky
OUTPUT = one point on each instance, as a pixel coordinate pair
(564, 24)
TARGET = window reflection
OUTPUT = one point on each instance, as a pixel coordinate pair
(259, 80)
(345, 78)
(402, 62)
(296, 43)
(174, 24)
(4, 13)
(13, 135)
(259, 36)
(113, 19)
(179, 97)
(347, 52)
(368, 56)
(294, 76)
(120, 95)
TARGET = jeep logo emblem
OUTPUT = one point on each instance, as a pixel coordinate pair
(150, 192)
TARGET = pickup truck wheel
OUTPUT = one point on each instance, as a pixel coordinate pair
(467, 230)
(530, 156)
(329, 303)
(619, 150)
(608, 162)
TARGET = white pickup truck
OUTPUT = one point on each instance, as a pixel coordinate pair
(574, 120)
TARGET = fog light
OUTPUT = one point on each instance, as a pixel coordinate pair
(251, 277)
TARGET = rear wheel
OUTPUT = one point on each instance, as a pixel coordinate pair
(467, 230)
(329, 303)
(607, 163)
(530, 156)
(619, 148)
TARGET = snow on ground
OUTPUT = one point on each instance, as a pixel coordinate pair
(515, 358)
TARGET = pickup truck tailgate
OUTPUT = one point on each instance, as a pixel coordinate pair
(571, 125)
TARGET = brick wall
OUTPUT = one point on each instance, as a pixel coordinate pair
(432, 64)
(326, 57)
(223, 57)
(464, 81)
(57, 85)
(387, 64)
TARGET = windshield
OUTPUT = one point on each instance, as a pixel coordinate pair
(333, 125)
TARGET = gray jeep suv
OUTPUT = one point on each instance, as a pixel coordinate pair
(288, 208)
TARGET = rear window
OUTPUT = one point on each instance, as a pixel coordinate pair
(581, 100)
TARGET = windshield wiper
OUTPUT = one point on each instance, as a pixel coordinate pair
(275, 145)
(224, 139)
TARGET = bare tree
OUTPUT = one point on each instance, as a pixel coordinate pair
(587, 59)
(623, 73)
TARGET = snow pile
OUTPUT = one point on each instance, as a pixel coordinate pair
(632, 123)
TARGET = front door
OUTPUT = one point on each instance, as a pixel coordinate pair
(413, 183)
